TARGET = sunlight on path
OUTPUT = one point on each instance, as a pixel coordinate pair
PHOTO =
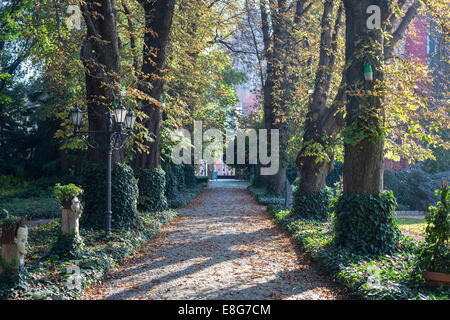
(223, 245)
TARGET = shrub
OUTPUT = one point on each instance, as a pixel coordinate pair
(189, 175)
(171, 190)
(123, 192)
(152, 185)
(365, 223)
(414, 189)
(435, 254)
(314, 207)
(178, 172)
(202, 179)
(260, 181)
(68, 246)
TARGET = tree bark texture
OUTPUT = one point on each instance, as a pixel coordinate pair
(158, 21)
(100, 54)
(321, 122)
(364, 146)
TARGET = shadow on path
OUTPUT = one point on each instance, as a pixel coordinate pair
(223, 245)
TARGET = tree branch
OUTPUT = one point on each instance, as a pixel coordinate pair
(88, 18)
(398, 33)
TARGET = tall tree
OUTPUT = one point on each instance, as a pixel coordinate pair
(364, 214)
(158, 21)
(325, 120)
(364, 145)
(280, 44)
(100, 54)
(315, 159)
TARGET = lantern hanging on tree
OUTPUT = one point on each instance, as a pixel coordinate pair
(368, 72)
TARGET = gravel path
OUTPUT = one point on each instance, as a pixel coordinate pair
(223, 245)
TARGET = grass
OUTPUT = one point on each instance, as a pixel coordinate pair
(33, 207)
(414, 225)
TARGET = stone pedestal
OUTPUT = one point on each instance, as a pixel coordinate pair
(70, 218)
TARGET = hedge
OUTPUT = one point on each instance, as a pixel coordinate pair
(202, 179)
(171, 190)
(178, 172)
(365, 223)
(189, 175)
(123, 197)
(311, 206)
(152, 186)
(414, 189)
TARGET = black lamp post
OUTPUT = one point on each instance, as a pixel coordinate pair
(107, 141)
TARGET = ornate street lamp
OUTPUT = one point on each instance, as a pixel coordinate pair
(120, 113)
(107, 141)
(130, 120)
(76, 115)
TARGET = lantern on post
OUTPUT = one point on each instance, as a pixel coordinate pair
(120, 113)
(76, 115)
(130, 120)
(107, 141)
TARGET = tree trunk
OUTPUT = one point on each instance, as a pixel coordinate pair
(101, 57)
(313, 175)
(158, 21)
(275, 90)
(278, 181)
(364, 149)
(315, 159)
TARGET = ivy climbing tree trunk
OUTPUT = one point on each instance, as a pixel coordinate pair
(158, 21)
(100, 54)
(364, 215)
